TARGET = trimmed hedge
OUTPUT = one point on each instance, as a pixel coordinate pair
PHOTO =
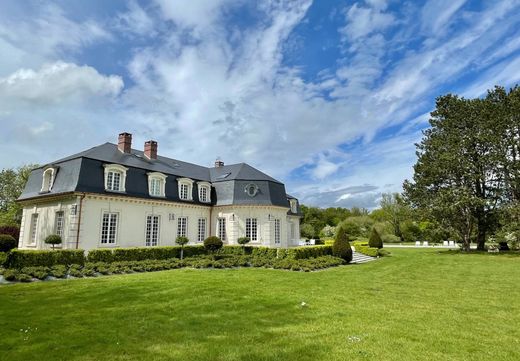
(142, 253)
(368, 251)
(22, 258)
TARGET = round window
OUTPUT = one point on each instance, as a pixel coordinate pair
(251, 190)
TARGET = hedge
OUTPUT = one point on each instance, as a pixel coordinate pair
(368, 251)
(142, 253)
(23, 258)
(305, 252)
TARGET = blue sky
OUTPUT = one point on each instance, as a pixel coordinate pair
(327, 96)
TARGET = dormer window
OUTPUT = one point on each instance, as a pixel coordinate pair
(115, 177)
(48, 179)
(156, 184)
(185, 189)
(294, 205)
(204, 192)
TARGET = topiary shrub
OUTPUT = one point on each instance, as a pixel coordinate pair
(213, 244)
(341, 247)
(11, 230)
(7, 242)
(375, 240)
(243, 241)
(181, 241)
(53, 240)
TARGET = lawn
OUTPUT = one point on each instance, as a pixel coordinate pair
(418, 304)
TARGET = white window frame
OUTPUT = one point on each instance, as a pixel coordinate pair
(252, 229)
(221, 228)
(152, 230)
(294, 205)
(48, 179)
(109, 236)
(201, 230)
(115, 168)
(189, 184)
(204, 189)
(159, 180)
(59, 223)
(182, 226)
(277, 231)
(34, 228)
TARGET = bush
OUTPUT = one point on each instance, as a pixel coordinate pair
(36, 272)
(53, 240)
(306, 252)
(76, 271)
(375, 240)
(3, 258)
(264, 252)
(11, 274)
(213, 244)
(7, 242)
(21, 258)
(58, 271)
(11, 230)
(390, 238)
(367, 251)
(142, 253)
(236, 250)
(22, 277)
(341, 247)
(181, 241)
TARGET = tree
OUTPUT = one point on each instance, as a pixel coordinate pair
(12, 183)
(182, 241)
(307, 230)
(395, 211)
(375, 240)
(341, 246)
(328, 231)
(53, 240)
(243, 241)
(468, 163)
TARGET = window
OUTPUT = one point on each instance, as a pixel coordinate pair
(294, 205)
(115, 177)
(251, 189)
(156, 184)
(185, 189)
(34, 228)
(152, 230)
(202, 230)
(251, 229)
(182, 226)
(277, 231)
(109, 228)
(221, 228)
(59, 223)
(204, 192)
(48, 179)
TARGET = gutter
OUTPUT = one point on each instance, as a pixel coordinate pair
(79, 218)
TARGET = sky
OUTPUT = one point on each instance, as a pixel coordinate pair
(329, 97)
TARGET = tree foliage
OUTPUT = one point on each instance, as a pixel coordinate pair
(341, 246)
(12, 183)
(468, 164)
(375, 240)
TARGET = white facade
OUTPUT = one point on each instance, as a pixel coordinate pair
(90, 221)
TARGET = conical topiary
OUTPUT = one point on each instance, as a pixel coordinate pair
(341, 246)
(375, 240)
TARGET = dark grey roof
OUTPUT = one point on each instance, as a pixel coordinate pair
(84, 172)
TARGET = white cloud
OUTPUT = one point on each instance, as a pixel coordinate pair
(436, 14)
(57, 82)
(363, 21)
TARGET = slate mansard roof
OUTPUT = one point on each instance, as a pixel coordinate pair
(84, 172)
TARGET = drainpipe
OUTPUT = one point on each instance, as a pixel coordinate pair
(79, 219)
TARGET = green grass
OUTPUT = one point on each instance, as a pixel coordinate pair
(418, 304)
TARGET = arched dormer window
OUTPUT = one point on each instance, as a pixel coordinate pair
(294, 205)
(204, 192)
(185, 189)
(48, 177)
(156, 184)
(115, 177)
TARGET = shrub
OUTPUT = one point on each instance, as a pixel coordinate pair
(3, 258)
(22, 277)
(100, 255)
(21, 258)
(58, 271)
(341, 247)
(264, 252)
(390, 238)
(11, 274)
(11, 230)
(76, 271)
(236, 250)
(181, 241)
(307, 252)
(53, 240)
(36, 272)
(367, 251)
(375, 240)
(7, 242)
(143, 253)
(213, 243)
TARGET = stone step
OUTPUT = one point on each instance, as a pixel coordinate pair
(361, 258)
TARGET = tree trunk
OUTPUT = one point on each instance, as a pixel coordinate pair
(481, 229)
(182, 252)
(466, 243)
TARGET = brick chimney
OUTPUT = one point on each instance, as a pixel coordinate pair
(219, 163)
(150, 149)
(124, 142)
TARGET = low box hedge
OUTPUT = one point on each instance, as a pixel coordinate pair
(368, 251)
(143, 253)
(305, 252)
(24, 258)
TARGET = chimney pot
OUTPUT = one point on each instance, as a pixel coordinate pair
(150, 149)
(124, 142)
(219, 163)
